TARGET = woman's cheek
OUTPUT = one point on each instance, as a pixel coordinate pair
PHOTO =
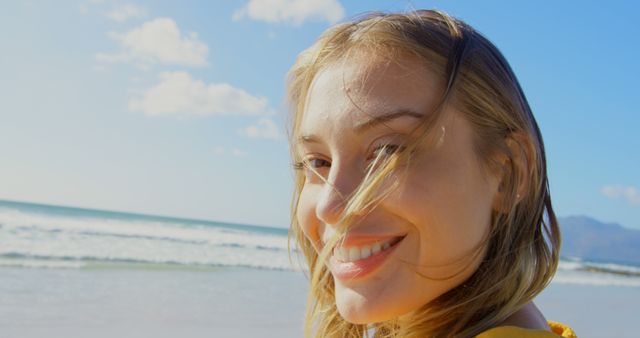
(306, 216)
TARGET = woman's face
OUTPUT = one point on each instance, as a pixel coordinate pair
(430, 229)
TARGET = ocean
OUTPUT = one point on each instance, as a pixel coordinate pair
(46, 236)
(72, 272)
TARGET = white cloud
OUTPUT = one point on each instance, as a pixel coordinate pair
(264, 128)
(158, 41)
(291, 11)
(221, 151)
(85, 7)
(126, 12)
(629, 193)
(179, 94)
(238, 153)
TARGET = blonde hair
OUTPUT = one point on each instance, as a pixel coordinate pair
(522, 248)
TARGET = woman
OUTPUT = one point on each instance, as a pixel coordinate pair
(422, 203)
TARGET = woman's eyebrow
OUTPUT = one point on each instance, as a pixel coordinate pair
(308, 139)
(361, 126)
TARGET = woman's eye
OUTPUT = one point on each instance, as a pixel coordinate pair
(316, 163)
(387, 150)
(313, 168)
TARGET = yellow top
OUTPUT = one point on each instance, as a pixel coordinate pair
(558, 329)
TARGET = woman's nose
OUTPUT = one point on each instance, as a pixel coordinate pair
(335, 193)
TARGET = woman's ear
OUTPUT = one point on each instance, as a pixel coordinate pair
(516, 166)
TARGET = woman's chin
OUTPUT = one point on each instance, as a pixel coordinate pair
(356, 309)
(358, 317)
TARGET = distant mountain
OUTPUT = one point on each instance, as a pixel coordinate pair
(590, 239)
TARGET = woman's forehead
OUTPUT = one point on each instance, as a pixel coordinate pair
(356, 90)
(366, 72)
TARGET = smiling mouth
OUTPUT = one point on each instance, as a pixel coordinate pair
(361, 252)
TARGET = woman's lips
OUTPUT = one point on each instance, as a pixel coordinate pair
(359, 268)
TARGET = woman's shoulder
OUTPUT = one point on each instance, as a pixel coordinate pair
(557, 329)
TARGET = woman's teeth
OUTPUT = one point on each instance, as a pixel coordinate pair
(355, 253)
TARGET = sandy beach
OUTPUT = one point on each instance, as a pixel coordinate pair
(229, 302)
(142, 303)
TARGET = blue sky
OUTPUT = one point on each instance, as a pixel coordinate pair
(177, 108)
